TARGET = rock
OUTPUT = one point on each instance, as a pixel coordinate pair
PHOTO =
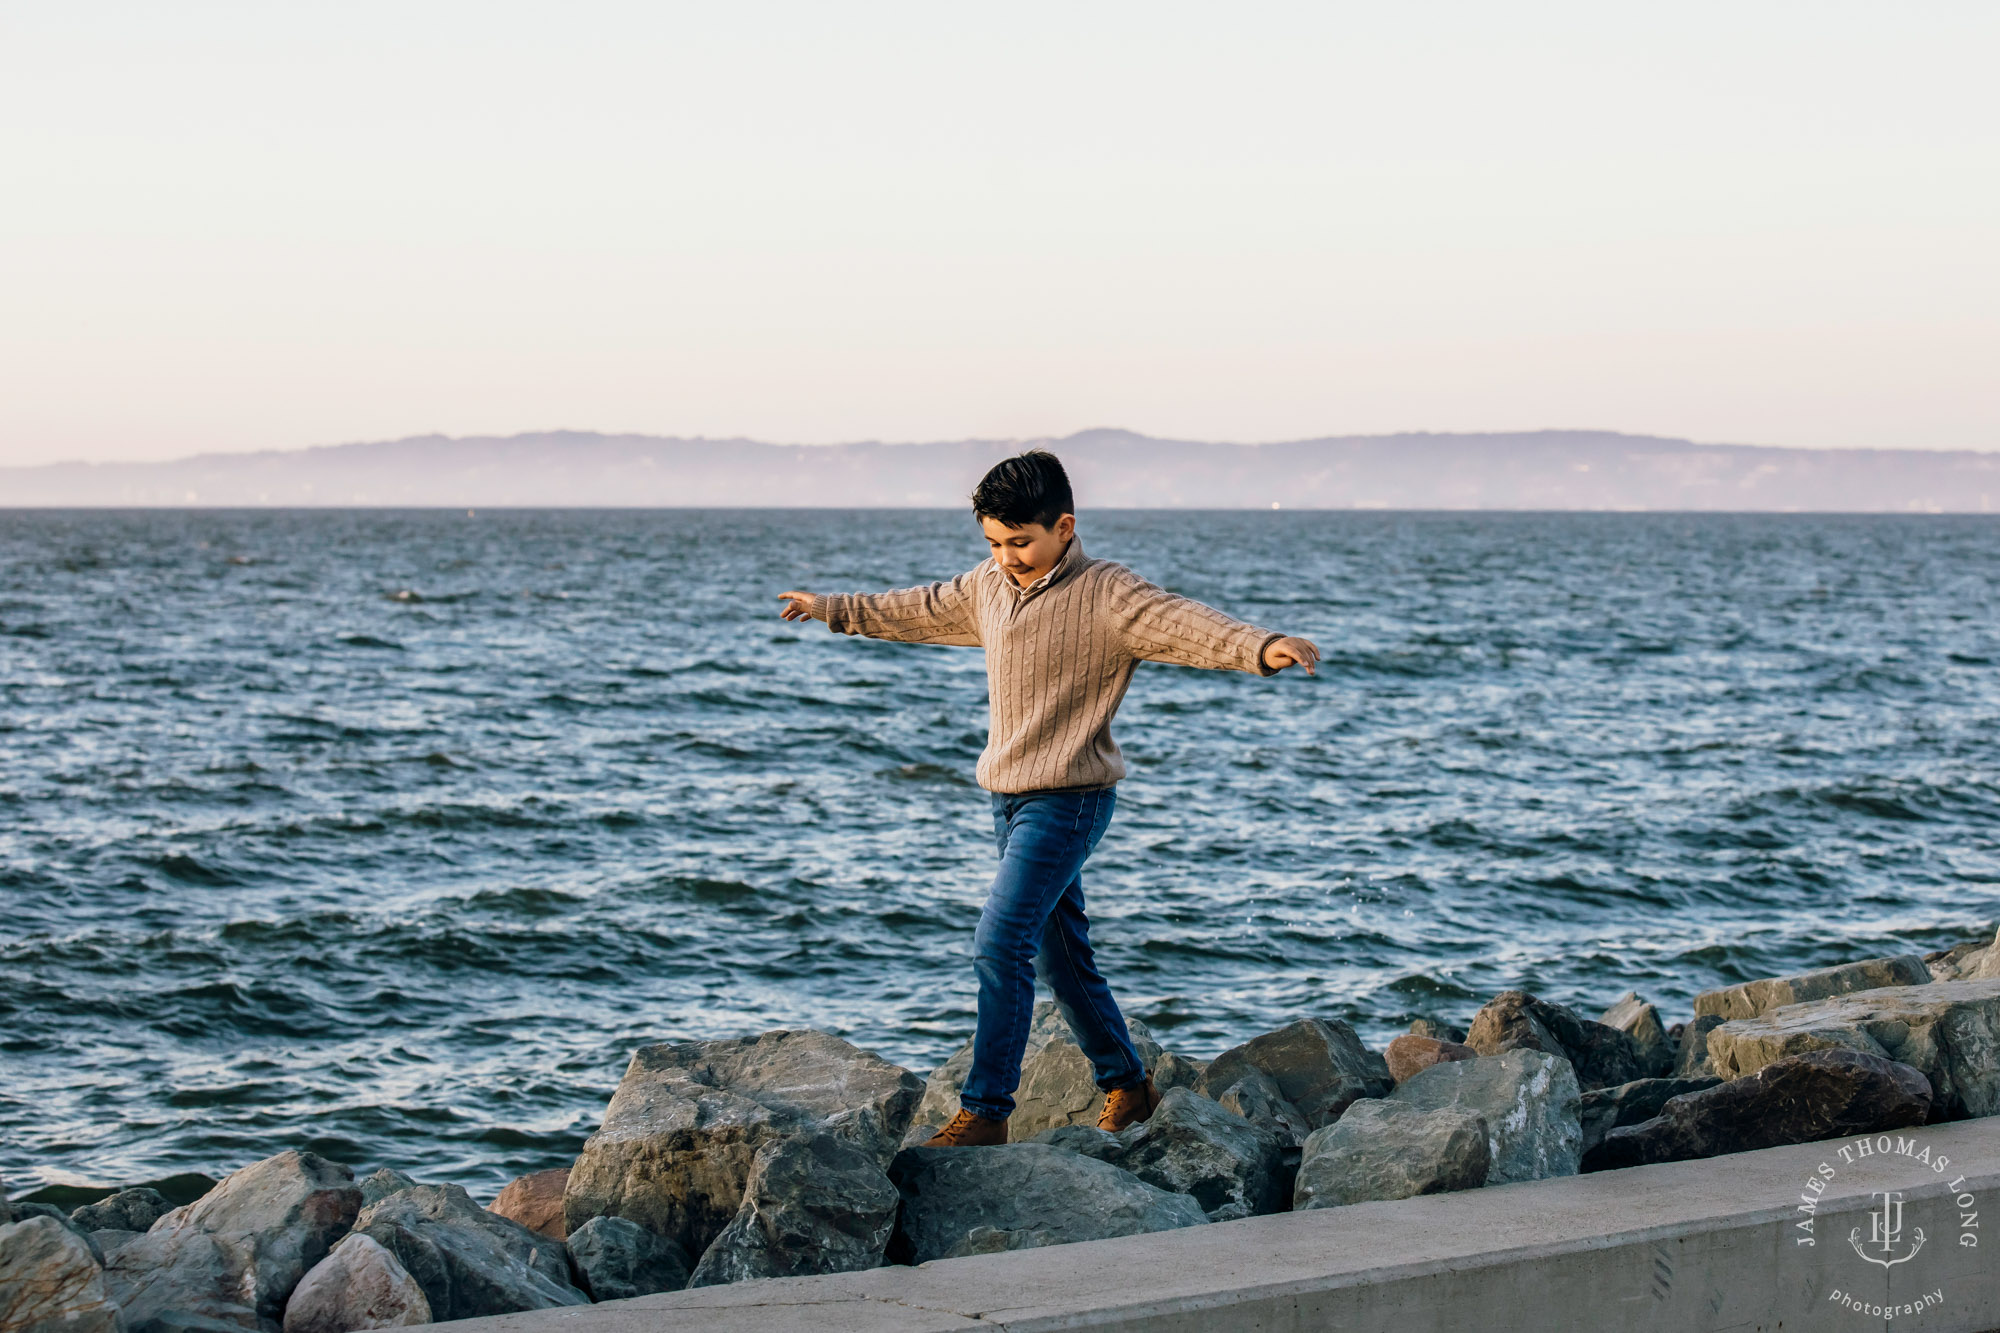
(678, 1139)
(1192, 1146)
(358, 1285)
(1392, 1150)
(618, 1260)
(1255, 1096)
(1691, 1051)
(1529, 1100)
(50, 1283)
(109, 1242)
(1975, 960)
(813, 1204)
(1641, 1022)
(1606, 1109)
(1515, 1020)
(1176, 1071)
(1948, 1030)
(382, 1184)
(468, 1261)
(1802, 1098)
(1440, 1031)
(1757, 997)
(1035, 1193)
(1409, 1053)
(127, 1210)
(1319, 1065)
(6, 1205)
(165, 1278)
(535, 1201)
(24, 1211)
(293, 1207)
(1058, 1086)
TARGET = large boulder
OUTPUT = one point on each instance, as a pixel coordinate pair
(814, 1204)
(128, 1210)
(469, 1262)
(617, 1260)
(1752, 998)
(1949, 1031)
(1409, 1053)
(1392, 1150)
(535, 1201)
(975, 1200)
(1691, 1046)
(1192, 1146)
(358, 1285)
(164, 1278)
(50, 1282)
(1514, 1020)
(1641, 1022)
(1820, 1095)
(1606, 1109)
(1529, 1101)
(1975, 960)
(1319, 1066)
(1255, 1096)
(678, 1139)
(1058, 1085)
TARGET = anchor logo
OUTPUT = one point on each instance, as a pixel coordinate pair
(1885, 1232)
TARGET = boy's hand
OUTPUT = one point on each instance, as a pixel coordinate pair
(1288, 651)
(797, 605)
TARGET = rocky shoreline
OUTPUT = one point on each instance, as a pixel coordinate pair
(793, 1152)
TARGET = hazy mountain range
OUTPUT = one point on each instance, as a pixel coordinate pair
(1111, 469)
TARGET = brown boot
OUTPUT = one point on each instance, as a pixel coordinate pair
(969, 1130)
(1128, 1106)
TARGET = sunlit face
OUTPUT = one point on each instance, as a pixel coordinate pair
(1030, 551)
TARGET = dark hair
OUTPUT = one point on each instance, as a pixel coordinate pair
(1029, 488)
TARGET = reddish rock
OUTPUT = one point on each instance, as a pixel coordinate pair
(536, 1202)
(1408, 1054)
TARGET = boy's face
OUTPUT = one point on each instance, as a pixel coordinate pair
(1030, 551)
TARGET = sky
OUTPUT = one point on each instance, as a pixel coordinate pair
(251, 226)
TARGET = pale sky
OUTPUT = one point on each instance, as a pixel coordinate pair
(274, 225)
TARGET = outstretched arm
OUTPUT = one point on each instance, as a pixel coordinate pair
(937, 613)
(1160, 626)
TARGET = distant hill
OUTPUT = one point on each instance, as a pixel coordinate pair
(1111, 468)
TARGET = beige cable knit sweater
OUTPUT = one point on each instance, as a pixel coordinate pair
(1059, 655)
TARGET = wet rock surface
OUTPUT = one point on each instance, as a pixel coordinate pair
(1392, 1150)
(617, 1260)
(1529, 1100)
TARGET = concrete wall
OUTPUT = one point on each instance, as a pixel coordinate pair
(1708, 1245)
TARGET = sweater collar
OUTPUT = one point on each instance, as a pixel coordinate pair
(1071, 559)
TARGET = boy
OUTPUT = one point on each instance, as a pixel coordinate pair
(1063, 634)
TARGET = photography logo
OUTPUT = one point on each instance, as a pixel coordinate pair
(1898, 1227)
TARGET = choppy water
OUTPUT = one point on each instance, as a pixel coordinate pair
(391, 834)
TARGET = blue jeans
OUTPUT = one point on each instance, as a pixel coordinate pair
(1033, 926)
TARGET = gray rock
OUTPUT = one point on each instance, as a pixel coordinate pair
(24, 1211)
(1641, 1022)
(1975, 960)
(358, 1285)
(1437, 1030)
(1058, 1086)
(1949, 1031)
(813, 1204)
(127, 1210)
(1319, 1065)
(1752, 998)
(109, 1242)
(1255, 1096)
(6, 1205)
(1529, 1100)
(618, 1260)
(1606, 1109)
(678, 1139)
(1392, 1150)
(1021, 1195)
(1800, 1099)
(469, 1261)
(382, 1184)
(1177, 1071)
(166, 1278)
(1514, 1020)
(50, 1282)
(1192, 1146)
(1691, 1054)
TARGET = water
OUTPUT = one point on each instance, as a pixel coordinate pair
(391, 834)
